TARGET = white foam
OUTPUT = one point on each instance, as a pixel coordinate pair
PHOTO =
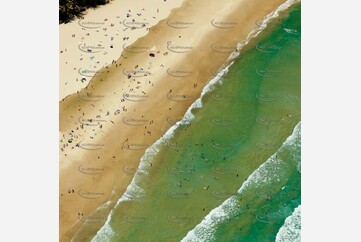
(188, 116)
(286, 5)
(291, 229)
(267, 19)
(134, 187)
(105, 234)
(151, 152)
(260, 175)
(205, 230)
(107, 230)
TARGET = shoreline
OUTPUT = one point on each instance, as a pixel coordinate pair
(144, 168)
(162, 97)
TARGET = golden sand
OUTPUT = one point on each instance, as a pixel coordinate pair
(116, 117)
(105, 26)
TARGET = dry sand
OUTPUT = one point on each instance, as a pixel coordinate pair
(104, 27)
(135, 100)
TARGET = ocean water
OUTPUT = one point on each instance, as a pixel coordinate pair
(230, 170)
(262, 204)
(291, 229)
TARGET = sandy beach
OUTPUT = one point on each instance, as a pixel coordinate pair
(109, 121)
(108, 27)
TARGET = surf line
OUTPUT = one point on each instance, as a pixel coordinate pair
(217, 215)
(153, 149)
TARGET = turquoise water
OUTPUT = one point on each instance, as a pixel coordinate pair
(238, 126)
(264, 201)
(291, 229)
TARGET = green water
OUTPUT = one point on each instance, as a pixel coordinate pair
(243, 121)
(260, 208)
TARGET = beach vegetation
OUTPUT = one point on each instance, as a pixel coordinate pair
(72, 9)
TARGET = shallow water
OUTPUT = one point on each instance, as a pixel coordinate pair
(243, 120)
(262, 204)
